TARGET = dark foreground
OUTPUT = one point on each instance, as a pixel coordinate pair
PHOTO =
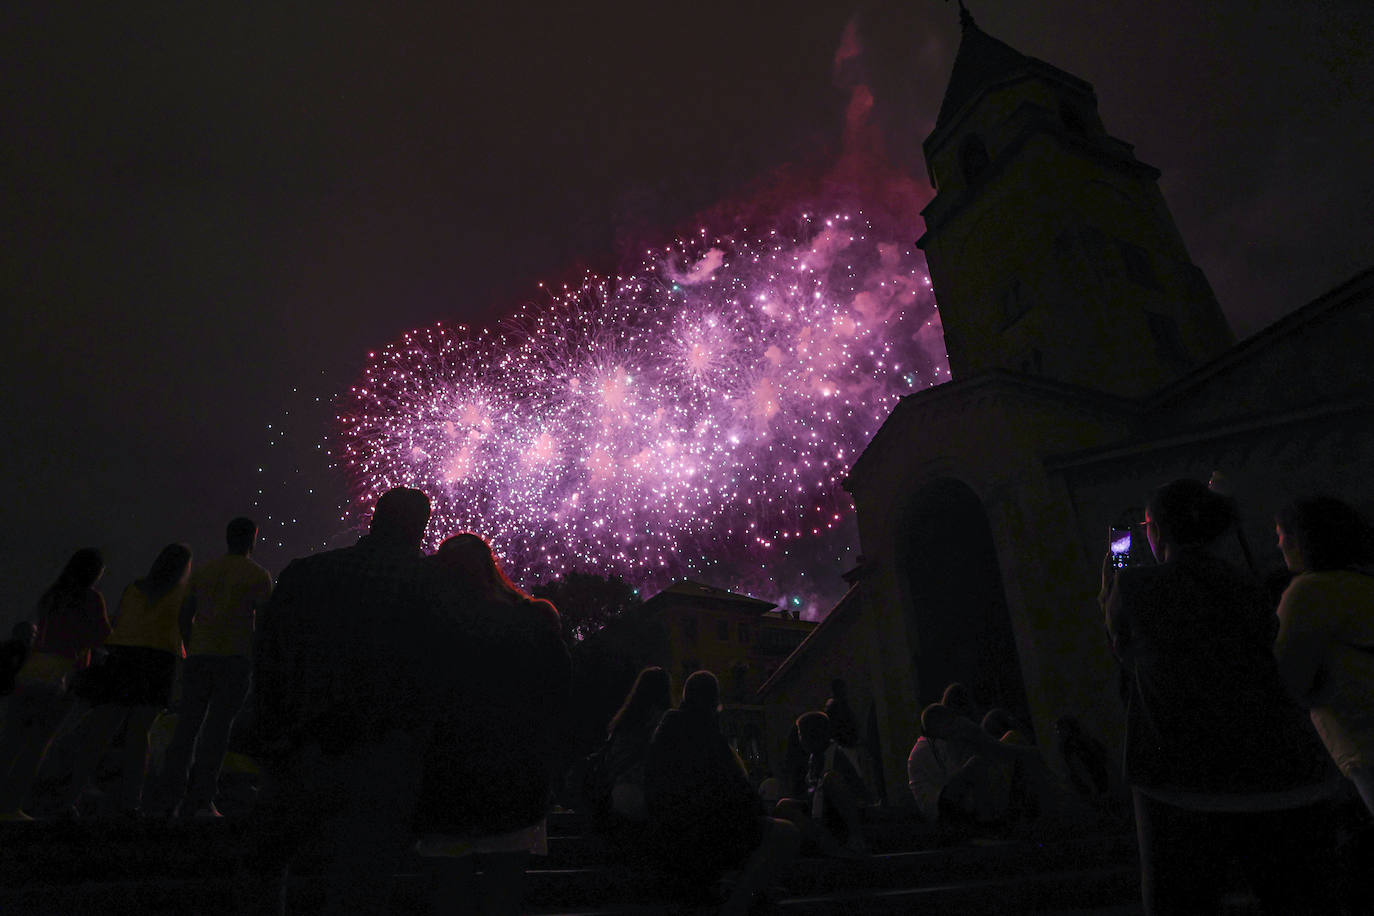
(186, 867)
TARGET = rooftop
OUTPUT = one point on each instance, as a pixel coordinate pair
(685, 590)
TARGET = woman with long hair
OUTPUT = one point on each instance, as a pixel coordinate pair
(1222, 763)
(144, 648)
(628, 737)
(465, 561)
(70, 621)
(489, 770)
(1325, 646)
(704, 817)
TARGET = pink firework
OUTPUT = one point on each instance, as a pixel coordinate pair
(694, 417)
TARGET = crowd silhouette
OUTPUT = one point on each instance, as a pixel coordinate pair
(397, 702)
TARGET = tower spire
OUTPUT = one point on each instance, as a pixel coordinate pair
(1034, 197)
(965, 17)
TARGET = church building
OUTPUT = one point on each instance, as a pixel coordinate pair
(1091, 363)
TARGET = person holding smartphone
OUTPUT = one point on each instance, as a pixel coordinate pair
(1222, 764)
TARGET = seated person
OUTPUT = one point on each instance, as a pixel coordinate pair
(1002, 725)
(704, 817)
(828, 814)
(959, 700)
(770, 790)
(628, 742)
(842, 723)
(792, 779)
(951, 778)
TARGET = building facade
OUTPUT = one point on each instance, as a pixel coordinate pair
(1090, 364)
(689, 627)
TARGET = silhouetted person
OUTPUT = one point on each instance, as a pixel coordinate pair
(703, 813)
(828, 813)
(1221, 762)
(346, 667)
(1325, 646)
(951, 783)
(973, 781)
(997, 722)
(794, 761)
(841, 715)
(489, 771)
(70, 622)
(959, 700)
(628, 736)
(225, 596)
(144, 648)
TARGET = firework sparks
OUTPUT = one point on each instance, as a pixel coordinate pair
(698, 413)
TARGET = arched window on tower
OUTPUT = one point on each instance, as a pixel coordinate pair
(973, 158)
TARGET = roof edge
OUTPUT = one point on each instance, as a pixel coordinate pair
(1328, 300)
(851, 599)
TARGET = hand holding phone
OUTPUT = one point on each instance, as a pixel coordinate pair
(1119, 543)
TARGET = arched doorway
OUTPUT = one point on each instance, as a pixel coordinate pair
(961, 625)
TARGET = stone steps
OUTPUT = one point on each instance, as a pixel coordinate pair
(1079, 890)
(113, 866)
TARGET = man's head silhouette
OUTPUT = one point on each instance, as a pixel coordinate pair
(401, 516)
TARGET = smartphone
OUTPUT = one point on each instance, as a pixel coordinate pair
(1119, 540)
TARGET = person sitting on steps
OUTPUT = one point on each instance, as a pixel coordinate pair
(828, 815)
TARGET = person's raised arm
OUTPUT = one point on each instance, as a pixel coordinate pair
(1116, 619)
(1108, 580)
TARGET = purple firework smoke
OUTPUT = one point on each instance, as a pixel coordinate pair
(693, 417)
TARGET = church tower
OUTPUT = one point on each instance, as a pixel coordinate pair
(1051, 250)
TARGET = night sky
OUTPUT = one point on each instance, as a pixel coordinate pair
(213, 212)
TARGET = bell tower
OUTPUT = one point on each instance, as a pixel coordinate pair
(1051, 250)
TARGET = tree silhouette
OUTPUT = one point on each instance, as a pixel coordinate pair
(586, 602)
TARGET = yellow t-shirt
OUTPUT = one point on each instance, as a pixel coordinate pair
(227, 594)
(149, 625)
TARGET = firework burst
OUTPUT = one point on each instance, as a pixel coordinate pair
(696, 414)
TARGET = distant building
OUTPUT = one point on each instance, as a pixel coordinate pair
(1091, 363)
(690, 626)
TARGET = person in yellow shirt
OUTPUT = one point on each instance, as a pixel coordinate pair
(225, 596)
(139, 671)
(1325, 645)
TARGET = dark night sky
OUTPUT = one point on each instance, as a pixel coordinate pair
(206, 206)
